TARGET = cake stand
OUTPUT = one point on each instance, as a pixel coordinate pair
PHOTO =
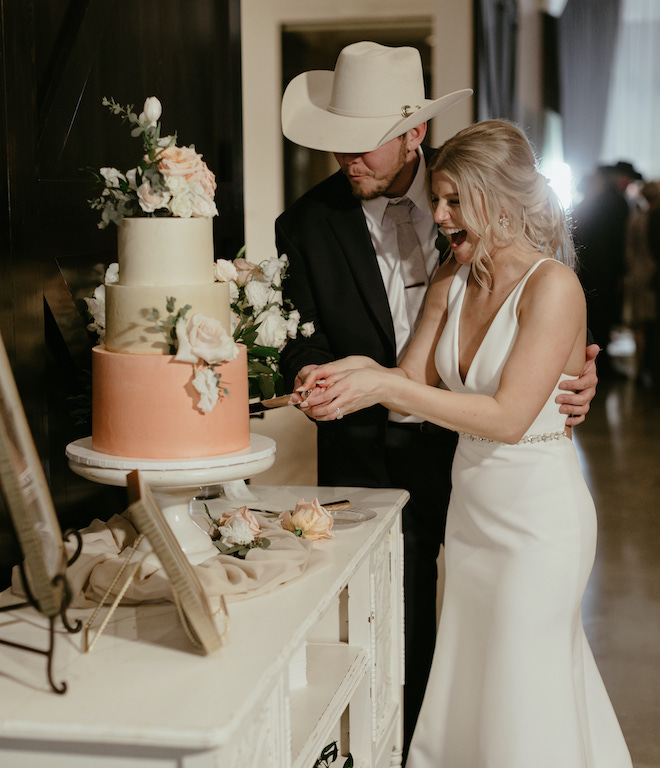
(176, 481)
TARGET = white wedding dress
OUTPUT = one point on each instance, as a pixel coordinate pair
(514, 683)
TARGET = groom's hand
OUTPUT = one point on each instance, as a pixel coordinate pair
(579, 393)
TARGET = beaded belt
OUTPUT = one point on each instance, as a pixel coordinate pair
(546, 437)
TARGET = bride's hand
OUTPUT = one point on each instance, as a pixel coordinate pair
(315, 375)
(343, 392)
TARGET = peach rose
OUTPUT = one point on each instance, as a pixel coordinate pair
(185, 162)
(308, 520)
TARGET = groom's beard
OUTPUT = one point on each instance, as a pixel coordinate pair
(370, 186)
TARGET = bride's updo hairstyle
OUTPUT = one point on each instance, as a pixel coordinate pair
(503, 197)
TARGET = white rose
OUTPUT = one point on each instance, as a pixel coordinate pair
(181, 203)
(202, 207)
(177, 185)
(307, 329)
(292, 324)
(204, 338)
(236, 532)
(96, 308)
(112, 273)
(257, 294)
(272, 269)
(181, 206)
(112, 176)
(233, 292)
(151, 112)
(272, 331)
(206, 383)
(224, 271)
(131, 178)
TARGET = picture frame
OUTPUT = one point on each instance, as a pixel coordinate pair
(29, 502)
(194, 610)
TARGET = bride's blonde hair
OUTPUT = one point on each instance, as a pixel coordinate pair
(503, 197)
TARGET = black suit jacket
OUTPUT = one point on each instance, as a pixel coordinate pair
(334, 281)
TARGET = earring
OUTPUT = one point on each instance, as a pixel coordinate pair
(504, 221)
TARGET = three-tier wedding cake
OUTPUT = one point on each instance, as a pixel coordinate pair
(169, 382)
(145, 403)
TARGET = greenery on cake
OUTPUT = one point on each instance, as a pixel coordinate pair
(169, 181)
(167, 325)
(201, 341)
(262, 319)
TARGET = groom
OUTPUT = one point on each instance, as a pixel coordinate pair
(345, 275)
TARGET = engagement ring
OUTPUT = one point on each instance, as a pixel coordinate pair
(340, 415)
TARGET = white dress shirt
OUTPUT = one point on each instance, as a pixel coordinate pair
(383, 236)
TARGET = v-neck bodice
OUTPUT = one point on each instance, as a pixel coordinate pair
(483, 375)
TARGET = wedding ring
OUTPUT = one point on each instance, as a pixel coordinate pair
(340, 415)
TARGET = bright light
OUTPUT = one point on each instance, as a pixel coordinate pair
(560, 179)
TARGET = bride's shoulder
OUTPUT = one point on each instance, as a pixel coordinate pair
(553, 280)
(439, 288)
(551, 271)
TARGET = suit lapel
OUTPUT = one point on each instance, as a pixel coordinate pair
(351, 231)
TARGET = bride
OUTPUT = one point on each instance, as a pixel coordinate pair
(513, 683)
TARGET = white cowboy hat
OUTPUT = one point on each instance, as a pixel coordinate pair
(375, 94)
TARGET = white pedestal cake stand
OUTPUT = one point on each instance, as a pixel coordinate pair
(175, 482)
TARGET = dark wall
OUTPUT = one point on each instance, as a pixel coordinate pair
(59, 58)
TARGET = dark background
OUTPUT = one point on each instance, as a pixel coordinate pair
(59, 58)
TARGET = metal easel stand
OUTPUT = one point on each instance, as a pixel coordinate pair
(66, 600)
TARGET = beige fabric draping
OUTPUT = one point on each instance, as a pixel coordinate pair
(106, 545)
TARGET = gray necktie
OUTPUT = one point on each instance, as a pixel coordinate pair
(413, 269)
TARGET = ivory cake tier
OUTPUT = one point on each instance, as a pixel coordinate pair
(130, 325)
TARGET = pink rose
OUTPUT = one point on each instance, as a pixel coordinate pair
(308, 520)
(246, 270)
(244, 514)
(151, 201)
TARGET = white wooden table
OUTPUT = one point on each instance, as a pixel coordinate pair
(145, 697)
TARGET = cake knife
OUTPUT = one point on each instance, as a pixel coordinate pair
(266, 405)
(330, 506)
